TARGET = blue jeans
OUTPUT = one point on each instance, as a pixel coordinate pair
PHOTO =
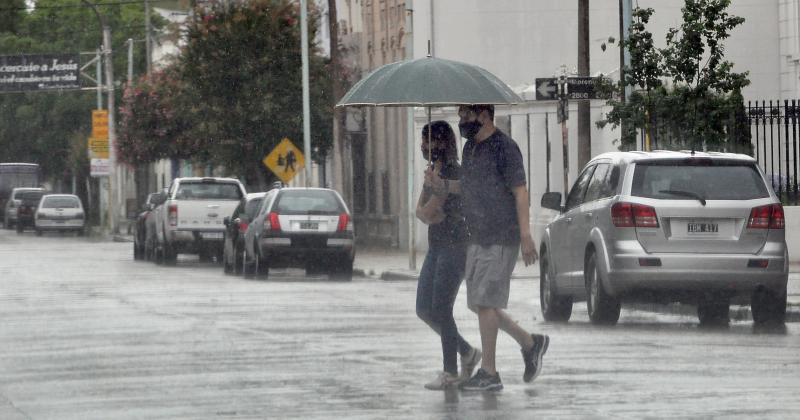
(437, 288)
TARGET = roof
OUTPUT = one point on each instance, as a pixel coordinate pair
(634, 156)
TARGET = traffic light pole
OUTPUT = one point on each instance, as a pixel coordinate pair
(563, 116)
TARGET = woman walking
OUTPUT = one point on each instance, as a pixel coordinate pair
(439, 207)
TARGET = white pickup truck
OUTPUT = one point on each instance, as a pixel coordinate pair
(190, 221)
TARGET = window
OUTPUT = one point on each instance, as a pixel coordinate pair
(691, 178)
(61, 203)
(599, 185)
(208, 191)
(307, 202)
(251, 209)
(575, 197)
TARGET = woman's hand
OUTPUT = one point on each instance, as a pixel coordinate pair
(433, 180)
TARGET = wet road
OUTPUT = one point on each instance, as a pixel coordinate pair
(88, 333)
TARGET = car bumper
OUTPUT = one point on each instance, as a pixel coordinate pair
(190, 241)
(692, 273)
(300, 250)
(59, 225)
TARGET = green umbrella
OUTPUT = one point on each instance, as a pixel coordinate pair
(429, 82)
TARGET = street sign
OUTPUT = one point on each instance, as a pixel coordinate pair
(285, 160)
(547, 89)
(577, 88)
(99, 167)
(581, 87)
(98, 148)
(100, 124)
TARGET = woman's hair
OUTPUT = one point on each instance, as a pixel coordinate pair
(442, 132)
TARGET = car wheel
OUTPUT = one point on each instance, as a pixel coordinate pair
(768, 306)
(148, 250)
(20, 228)
(713, 311)
(205, 255)
(248, 268)
(169, 254)
(6, 223)
(227, 267)
(262, 266)
(554, 307)
(38, 232)
(603, 308)
(342, 271)
(238, 257)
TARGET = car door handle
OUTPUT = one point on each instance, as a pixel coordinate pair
(568, 220)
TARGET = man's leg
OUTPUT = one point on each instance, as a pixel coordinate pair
(513, 329)
(488, 323)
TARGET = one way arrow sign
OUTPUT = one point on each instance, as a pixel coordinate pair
(547, 89)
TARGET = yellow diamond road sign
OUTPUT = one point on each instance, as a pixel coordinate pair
(285, 160)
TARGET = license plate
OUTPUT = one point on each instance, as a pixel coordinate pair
(309, 225)
(702, 228)
(59, 221)
(211, 235)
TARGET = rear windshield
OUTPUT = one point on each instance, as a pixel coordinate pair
(252, 206)
(308, 202)
(208, 191)
(689, 179)
(30, 196)
(61, 203)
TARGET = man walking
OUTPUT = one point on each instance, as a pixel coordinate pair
(495, 200)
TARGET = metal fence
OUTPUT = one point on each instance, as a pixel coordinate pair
(766, 130)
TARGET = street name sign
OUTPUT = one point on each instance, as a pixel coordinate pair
(285, 160)
(577, 88)
(35, 72)
(100, 124)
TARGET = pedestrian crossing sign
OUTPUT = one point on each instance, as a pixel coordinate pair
(285, 160)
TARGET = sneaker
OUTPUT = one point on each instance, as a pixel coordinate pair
(445, 380)
(469, 362)
(533, 357)
(482, 381)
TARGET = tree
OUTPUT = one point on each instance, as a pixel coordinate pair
(243, 61)
(699, 104)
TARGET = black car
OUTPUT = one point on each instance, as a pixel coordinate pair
(29, 202)
(235, 227)
(140, 230)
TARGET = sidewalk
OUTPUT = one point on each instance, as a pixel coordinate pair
(393, 265)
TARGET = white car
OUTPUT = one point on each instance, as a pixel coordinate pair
(60, 212)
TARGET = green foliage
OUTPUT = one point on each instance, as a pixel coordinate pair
(701, 104)
(42, 126)
(239, 91)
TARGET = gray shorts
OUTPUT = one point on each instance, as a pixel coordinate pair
(488, 274)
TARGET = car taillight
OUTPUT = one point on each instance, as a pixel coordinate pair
(345, 223)
(634, 215)
(242, 227)
(767, 217)
(274, 222)
(172, 214)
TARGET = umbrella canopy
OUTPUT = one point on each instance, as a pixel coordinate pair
(429, 82)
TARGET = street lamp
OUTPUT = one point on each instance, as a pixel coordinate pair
(113, 190)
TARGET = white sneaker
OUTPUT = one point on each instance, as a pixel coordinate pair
(469, 362)
(445, 380)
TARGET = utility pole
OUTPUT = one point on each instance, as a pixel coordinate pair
(412, 236)
(306, 105)
(563, 116)
(584, 112)
(130, 60)
(147, 40)
(114, 196)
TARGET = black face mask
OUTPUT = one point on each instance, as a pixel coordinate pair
(470, 129)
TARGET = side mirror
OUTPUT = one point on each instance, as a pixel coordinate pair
(226, 221)
(552, 201)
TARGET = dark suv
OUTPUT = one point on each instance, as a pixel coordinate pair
(29, 201)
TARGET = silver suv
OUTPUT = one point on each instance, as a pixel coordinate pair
(698, 228)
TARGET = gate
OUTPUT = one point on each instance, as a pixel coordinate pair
(774, 132)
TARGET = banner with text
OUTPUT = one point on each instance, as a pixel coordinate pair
(30, 72)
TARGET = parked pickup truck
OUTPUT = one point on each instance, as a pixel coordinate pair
(190, 221)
